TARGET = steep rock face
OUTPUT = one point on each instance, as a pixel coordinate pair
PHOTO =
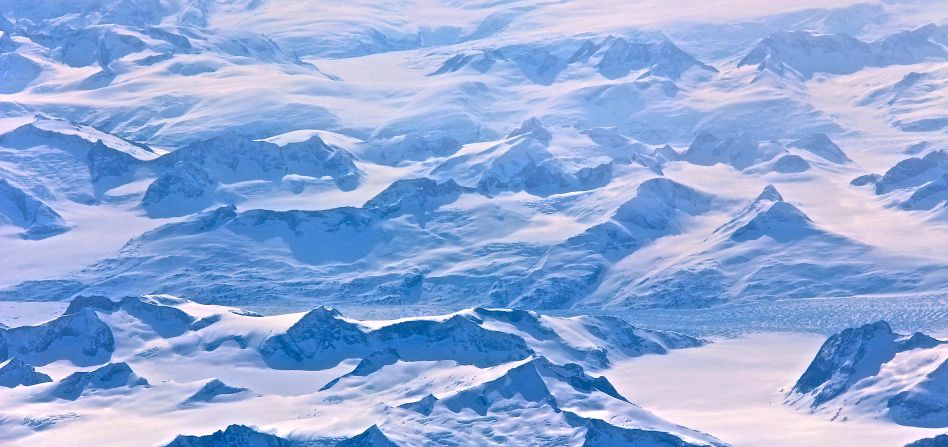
(845, 358)
(874, 369)
(910, 46)
(109, 377)
(315, 158)
(232, 158)
(16, 372)
(539, 65)
(243, 436)
(7, 45)
(341, 234)
(25, 211)
(99, 46)
(301, 240)
(633, 341)
(927, 197)
(867, 179)
(181, 190)
(81, 338)
(232, 436)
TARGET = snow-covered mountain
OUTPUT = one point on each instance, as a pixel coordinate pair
(502, 160)
(407, 380)
(21, 209)
(661, 162)
(917, 183)
(16, 372)
(936, 441)
(870, 369)
(807, 53)
(175, 121)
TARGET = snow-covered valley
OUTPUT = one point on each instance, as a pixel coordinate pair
(473, 223)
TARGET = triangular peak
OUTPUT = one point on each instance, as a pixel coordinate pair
(769, 194)
(532, 127)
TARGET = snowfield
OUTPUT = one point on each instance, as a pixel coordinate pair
(691, 194)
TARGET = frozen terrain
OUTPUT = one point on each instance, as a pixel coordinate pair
(393, 189)
(551, 156)
(184, 368)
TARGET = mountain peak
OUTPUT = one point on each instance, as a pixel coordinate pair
(416, 196)
(23, 210)
(769, 215)
(233, 436)
(109, 377)
(846, 357)
(15, 372)
(739, 151)
(769, 194)
(371, 437)
(214, 388)
(534, 128)
(821, 145)
(859, 355)
(780, 221)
